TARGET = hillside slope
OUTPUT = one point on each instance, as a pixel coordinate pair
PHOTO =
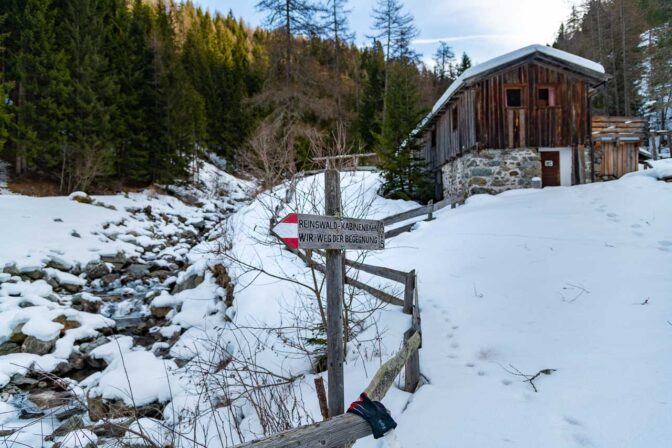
(573, 279)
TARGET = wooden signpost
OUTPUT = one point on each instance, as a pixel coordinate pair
(301, 231)
(333, 233)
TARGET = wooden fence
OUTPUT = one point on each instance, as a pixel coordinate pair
(423, 210)
(345, 429)
(342, 430)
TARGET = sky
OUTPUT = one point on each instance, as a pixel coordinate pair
(482, 28)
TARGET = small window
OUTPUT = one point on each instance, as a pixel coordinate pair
(455, 117)
(546, 97)
(514, 97)
(434, 138)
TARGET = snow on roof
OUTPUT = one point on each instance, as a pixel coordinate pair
(505, 59)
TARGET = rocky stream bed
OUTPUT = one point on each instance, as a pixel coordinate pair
(64, 326)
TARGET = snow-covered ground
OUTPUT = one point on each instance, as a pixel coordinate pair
(571, 279)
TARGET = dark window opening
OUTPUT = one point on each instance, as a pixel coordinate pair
(546, 97)
(455, 118)
(434, 138)
(514, 98)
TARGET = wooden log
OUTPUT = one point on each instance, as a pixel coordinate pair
(346, 428)
(384, 377)
(390, 274)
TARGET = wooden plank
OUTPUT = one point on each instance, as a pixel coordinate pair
(391, 274)
(403, 216)
(399, 230)
(509, 119)
(334, 280)
(522, 129)
(377, 293)
(384, 377)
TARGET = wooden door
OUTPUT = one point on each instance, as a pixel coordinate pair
(550, 168)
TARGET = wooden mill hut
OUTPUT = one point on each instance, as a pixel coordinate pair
(515, 121)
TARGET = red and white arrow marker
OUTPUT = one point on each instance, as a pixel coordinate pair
(288, 230)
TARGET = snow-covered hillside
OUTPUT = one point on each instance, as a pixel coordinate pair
(211, 330)
(578, 280)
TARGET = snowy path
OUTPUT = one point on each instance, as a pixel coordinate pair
(574, 279)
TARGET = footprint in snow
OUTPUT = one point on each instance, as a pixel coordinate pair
(481, 373)
(506, 382)
(665, 243)
(582, 440)
(636, 226)
(638, 233)
(572, 421)
(470, 364)
(612, 215)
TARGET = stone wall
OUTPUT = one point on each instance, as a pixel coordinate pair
(490, 171)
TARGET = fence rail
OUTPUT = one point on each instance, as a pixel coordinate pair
(345, 428)
(428, 210)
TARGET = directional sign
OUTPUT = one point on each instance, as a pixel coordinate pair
(301, 231)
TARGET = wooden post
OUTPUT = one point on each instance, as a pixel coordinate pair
(322, 397)
(408, 292)
(430, 210)
(412, 367)
(334, 274)
(654, 148)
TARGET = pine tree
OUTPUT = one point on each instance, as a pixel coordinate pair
(90, 143)
(293, 17)
(404, 171)
(443, 59)
(5, 115)
(177, 130)
(465, 64)
(131, 62)
(40, 76)
(373, 91)
(395, 29)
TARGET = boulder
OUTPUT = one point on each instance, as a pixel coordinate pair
(97, 270)
(7, 348)
(160, 312)
(68, 324)
(36, 346)
(161, 274)
(17, 335)
(71, 424)
(119, 260)
(11, 269)
(85, 302)
(138, 271)
(109, 278)
(33, 273)
(101, 409)
(189, 282)
(47, 399)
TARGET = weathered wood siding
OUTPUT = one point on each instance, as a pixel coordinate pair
(562, 125)
(485, 121)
